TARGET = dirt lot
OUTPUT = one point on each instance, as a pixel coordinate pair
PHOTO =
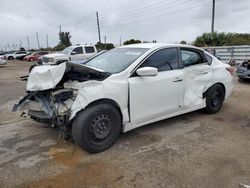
(192, 150)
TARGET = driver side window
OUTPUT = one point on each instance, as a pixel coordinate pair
(163, 60)
(77, 50)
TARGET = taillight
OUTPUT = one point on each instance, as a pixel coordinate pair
(230, 70)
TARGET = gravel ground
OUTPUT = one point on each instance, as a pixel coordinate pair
(192, 150)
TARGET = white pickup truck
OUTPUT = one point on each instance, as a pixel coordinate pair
(71, 53)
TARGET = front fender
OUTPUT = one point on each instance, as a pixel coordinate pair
(91, 91)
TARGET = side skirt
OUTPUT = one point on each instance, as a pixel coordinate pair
(130, 126)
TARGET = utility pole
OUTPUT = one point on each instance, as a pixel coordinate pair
(60, 28)
(120, 41)
(98, 27)
(13, 45)
(37, 37)
(9, 47)
(105, 39)
(20, 43)
(47, 40)
(213, 13)
(28, 41)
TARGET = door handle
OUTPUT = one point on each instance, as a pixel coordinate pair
(178, 79)
(201, 73)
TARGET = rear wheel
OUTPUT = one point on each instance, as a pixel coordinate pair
(214, 99)
(10, 58)
(97, 127)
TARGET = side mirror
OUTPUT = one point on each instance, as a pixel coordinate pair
(73, 53)
(147, 71)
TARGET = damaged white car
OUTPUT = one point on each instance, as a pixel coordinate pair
(123, 89)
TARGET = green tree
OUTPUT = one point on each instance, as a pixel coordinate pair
(183, 42)
(64, 38)
(222, 39)
(59, 47)
(131, 41)
(106, 46)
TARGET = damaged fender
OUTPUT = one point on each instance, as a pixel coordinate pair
(91, 91)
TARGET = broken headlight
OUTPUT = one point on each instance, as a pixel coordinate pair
(62, 100)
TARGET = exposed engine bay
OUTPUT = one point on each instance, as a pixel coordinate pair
(49, 94)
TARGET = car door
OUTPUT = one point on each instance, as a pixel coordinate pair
(197, 75)
(155, 96)
(89, 51)
(76, 53)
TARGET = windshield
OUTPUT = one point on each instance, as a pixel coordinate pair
(116, 60)
(67, 50)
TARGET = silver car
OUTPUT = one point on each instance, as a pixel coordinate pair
(243, 70)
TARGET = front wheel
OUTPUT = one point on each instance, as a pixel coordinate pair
(97, 127)
(214, 99)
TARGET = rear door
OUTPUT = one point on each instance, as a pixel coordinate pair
(152, 97)
(197, 75)
(89, 51)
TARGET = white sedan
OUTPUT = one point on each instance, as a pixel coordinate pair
(2, 60)
(125, 88)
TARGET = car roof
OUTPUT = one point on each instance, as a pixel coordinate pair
(83, 45)
(157, 45)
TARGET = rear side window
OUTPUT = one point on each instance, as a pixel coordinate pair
(209, 58)
(189, 57)
(89, 49)
(21, 53)
(78, 50)
(163, 60)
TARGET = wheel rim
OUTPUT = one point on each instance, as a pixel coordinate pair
(216, 98)
(100, 128)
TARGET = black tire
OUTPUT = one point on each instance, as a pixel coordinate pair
(97, 127)
(214, 99)
(10, 58)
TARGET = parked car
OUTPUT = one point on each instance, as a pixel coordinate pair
(21, 57)
(243, 70)
(125, 88)
(2, 60)
(71, 53)
(15, 55)
(34, 56)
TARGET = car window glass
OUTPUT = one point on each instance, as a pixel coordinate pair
(78, 50)
(163, 60)
(89, 49)
(209, 58)
(190, 57)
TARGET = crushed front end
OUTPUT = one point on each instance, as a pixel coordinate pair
(49, 97)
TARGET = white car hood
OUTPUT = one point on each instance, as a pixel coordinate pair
(45, 77)
(55, 55)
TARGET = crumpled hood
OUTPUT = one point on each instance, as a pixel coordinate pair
(48, 76)
(45, 77)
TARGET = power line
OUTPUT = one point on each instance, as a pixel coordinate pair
(157, 16)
